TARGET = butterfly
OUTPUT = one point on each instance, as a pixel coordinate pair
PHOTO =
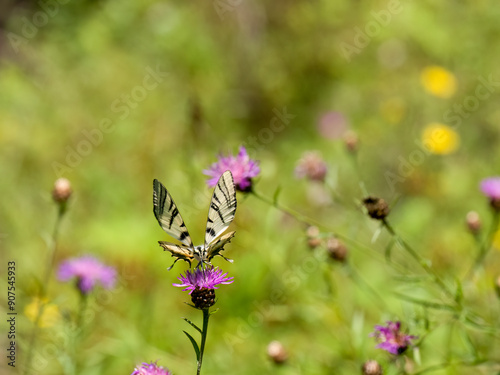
(220, 215)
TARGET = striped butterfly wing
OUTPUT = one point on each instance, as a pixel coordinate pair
(220, 214)
(168, 215)
(178, 251)
(218, 245)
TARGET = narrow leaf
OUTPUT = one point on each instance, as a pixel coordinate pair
(195, 345)
(193, 325)
(276, 195)
(388, 250)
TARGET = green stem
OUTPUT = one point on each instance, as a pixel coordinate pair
(79, 328)
(206, 316)
(357, 169)
(44, 287)
(419, 259)
(297, 215)
(486, 244)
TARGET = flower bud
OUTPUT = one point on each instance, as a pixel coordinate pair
(277, 352)
(372, 367)
(311, 166)
(336, 249)
(473, 222)
(377, 207)
(313, 239)
(351, 141)
(62, 190)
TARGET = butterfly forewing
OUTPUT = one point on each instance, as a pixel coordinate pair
(168, 215)
(222, 208)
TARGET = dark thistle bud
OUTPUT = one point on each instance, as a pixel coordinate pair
(473, 222)
(377, 207)
(313, 239)
(351, 141)
(62, 190)
(203, 298)
(372, 367)
(276, 351)
(336, 250)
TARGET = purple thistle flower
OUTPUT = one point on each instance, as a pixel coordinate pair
(241, 166)
(150, 369)
(88, 271)
(491, 187)
(332, 124)
(203, 278)
(391, 338)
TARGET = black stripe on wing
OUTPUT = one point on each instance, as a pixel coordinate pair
(168, 215)
(222, 208)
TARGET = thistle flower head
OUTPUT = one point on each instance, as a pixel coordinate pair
(311, 166)
(241, 166)
(62, 190)
(150, 369)
(377, 208)
(491, 188)
(332, 125)
(391, 338)
(372, 367)
(88, 271)
(277, 352)
(203, 278)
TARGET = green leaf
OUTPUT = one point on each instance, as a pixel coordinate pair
(388, 250)
(193, 325)
(195, 345)
(276, 195)
(459, 293)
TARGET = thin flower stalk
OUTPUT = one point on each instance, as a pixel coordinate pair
(62, 206)
(419, 259)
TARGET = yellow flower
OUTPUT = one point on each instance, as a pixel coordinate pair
(438, 81)
(50, 314)
(440, 139)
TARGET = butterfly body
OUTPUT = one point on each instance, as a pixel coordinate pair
(220, 215)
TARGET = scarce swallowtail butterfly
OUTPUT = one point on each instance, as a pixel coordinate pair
(220, 215)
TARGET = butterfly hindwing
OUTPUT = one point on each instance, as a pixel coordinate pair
(178, 251)
(168, 215)
(218, 245)
(222, 208)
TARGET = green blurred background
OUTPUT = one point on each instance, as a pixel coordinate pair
(223, 70)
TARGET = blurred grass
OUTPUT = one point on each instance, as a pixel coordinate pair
(225, 77)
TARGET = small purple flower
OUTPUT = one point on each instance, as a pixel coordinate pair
(150, 369)
(203, 278)
(241, 166)
(391, 338)
(88, 271)
(332, 125)
(491, 188)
